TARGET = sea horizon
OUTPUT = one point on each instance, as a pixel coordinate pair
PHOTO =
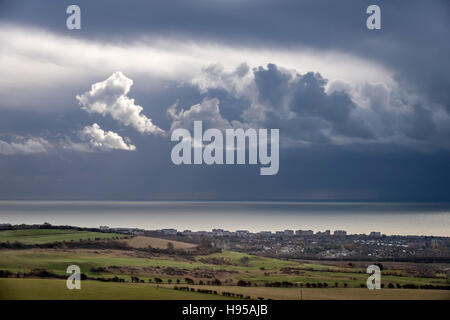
(355, 217)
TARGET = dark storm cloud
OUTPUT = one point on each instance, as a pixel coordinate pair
(306, 111)
(417, 123)
(369, 173)
(273, 85)
(307, 98)
(413, 44)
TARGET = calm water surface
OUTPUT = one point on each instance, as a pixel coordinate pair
(355, 217)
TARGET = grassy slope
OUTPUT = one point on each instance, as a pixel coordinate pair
(41, 236)
(144, 242)
(312, 273)
(254, 262)
(56, 289)
(57, 261)
(256, 269)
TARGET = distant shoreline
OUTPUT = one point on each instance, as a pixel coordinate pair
(399, 218)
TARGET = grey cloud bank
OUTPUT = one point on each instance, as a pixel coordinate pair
(362, 114)
(29, 146)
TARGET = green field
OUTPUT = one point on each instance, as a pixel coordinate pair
(235, 259)
(52, 289)
(58, 260)
(258, 270)
(41, 236)
(306, 279)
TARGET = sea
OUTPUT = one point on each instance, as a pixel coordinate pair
(390, 218)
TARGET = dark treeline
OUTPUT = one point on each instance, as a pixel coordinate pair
(45, 225)
(210, 291)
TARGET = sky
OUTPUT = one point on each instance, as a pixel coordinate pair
(88, 114)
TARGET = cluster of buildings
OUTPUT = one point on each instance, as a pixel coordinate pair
(304, 244)
(246, 233)
(309, 244)
(237, 233)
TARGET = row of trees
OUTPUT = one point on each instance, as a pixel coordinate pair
(414, 286)
(113, 279)
(45, 225)
(283, 284)
(209, 291)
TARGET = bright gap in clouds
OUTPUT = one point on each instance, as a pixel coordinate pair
(37, 61)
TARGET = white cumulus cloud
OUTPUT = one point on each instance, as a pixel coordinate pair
(109, 97)
(208, 111)
(104, 140)
(29, 146)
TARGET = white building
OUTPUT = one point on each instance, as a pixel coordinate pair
(169, 232)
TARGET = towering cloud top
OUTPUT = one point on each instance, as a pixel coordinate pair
(109, 97)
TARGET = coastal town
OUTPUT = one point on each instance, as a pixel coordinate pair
(220, 263)
(307, 244)
(299, 244)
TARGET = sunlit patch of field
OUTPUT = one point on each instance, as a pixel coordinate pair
(144, 242)
(250, 262)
